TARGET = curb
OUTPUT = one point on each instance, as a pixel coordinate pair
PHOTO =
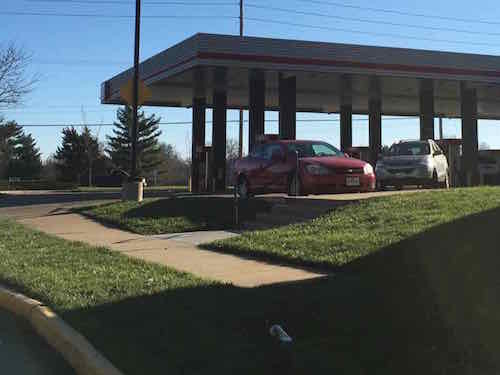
(75, 349)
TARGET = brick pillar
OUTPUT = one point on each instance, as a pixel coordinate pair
(257, 104)
(219, 129)
(345, 112)
(469, 135)
(198, 141)
(375, 120)
(426, 109)
(288, 107)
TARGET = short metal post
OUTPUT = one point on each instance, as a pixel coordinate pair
(235, 200)
(206, 171)
(297, 173)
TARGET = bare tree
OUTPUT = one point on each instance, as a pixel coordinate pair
(232, 149)
(15, 82)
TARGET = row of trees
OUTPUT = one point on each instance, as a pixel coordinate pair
(81, 156)
(19, 156)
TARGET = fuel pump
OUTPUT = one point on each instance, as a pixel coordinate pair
(206, 170)
(452, 148)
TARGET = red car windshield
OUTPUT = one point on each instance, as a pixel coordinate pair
(312, 149)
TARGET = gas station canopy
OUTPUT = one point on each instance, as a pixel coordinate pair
(232, 72)
(176, 73)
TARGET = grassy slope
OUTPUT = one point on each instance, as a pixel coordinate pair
(356, 230)
(426, 304)
(152, 320)
(156, 216)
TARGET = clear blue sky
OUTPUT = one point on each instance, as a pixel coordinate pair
(74, 55)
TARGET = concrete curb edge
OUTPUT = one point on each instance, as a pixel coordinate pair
(75, 349)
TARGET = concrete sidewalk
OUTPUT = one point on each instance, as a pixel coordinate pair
(178, 250)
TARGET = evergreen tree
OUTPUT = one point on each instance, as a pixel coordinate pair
(120, 144)
(9, 132)
(77, 154)
(25, 161)
(19, 156)
(70, 156)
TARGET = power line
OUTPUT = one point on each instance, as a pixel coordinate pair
(122, 16)
(364, 20)
(400, 13)
(82, 63)
(21, 112)
(186, 3)
(37, 107)
(371, 33)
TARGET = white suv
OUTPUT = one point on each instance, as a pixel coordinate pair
(421, 163)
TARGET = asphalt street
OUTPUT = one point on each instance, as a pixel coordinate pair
(23, 352)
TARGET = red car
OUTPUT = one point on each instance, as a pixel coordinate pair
(301, 168)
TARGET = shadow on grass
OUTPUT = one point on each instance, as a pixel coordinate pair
(219, 210)
(456, 265)
(177, 214)
(431, 303)
(339, 325)
(426, 305)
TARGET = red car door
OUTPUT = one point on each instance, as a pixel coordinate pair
(255, 167)
(278, 169)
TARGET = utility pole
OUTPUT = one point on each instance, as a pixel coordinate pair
(86, 140)
(136, 88)
(240, 143)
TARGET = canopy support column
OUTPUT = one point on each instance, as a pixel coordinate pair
(375, 120)
(469, 135)
(288, 107)
(198, 129)
(426, 109)
(257, 103)
(219, 129)
(345, 113)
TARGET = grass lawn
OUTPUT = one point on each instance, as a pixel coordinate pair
(354, 231)
(425, 304)
(171, 215)
(176, 188)
(148, 319)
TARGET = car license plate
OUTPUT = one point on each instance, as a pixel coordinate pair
(352, 181)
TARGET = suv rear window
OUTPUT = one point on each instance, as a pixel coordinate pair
(410, 149)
